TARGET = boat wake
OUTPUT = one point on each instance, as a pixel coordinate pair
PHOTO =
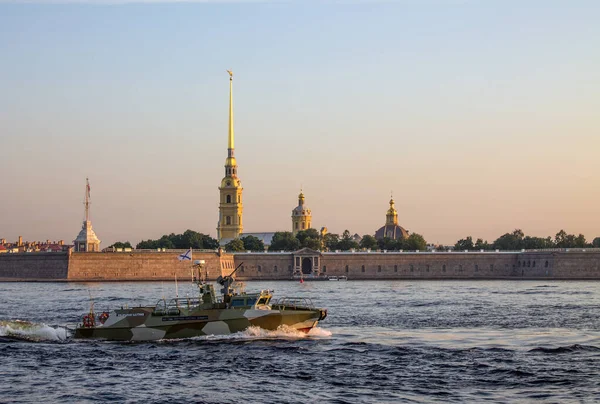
(33, 332)
(257, 333)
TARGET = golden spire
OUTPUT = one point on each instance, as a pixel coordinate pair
(231, 146)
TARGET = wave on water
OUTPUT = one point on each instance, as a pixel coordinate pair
(33, 332)
(566, 349)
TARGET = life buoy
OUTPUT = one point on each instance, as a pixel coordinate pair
(88, 321)
(103, 317)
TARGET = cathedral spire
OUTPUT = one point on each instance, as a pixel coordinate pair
(230, 223)
(230, 144)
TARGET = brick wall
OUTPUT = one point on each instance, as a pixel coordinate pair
(140, 266)
(34, 266)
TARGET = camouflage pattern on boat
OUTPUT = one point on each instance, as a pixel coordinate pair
(204, 315)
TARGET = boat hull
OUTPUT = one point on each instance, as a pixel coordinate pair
(139, 324)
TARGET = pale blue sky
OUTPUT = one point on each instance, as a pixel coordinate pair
(481, 116)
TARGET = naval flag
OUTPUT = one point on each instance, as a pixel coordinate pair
(186, 256)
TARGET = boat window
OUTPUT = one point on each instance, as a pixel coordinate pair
(263, 300)
(237, 302)
(251, 301)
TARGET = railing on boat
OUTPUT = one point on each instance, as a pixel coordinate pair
(293, 303)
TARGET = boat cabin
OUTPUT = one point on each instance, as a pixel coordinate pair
(258, 301)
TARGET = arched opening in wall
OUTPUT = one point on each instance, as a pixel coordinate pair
(529, 263)
(491, 267)
(228, 220)
(519, 264)
(296, 225)
(307, 266)
(379, 268)
(412, 268)
(427, 268)
(533, 264)
(444, 268)
(347, 268)
(303, 225)
(242, 268)
(324, 268)
(228, 198)
(362, 268)
(476, 267)
(395, 268)
(239, 198)
(275, 268)
(259, 268)
(546, 264)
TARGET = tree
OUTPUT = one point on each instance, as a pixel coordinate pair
(252, 243)
(596, 242)
(464, 244)
(120, 244)
(347, 242)
(189, 239)
(284, 240)
(537, 243)
(368, 242)
(415, 242)
(481, 245)
(309, 238)
(510, 241)
(331, 241)
(235, 245)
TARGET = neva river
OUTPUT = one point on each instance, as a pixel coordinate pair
(400, 341)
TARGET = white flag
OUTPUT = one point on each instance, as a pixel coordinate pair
(186, 256)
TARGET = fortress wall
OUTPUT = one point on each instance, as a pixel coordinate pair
(580, 265)
(419, 265)
(148, 266)
(271, 266)
(34, 266)
(125, 266)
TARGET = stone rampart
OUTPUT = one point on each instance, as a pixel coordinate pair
(43, 266)
(141, 266)
(436, 265)
(155, 266)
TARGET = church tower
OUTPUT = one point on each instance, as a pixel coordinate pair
(392, 229)
(391, 217)
(301, 216)
(86, 240)
(230, 205)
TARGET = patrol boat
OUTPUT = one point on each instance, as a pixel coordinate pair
(207, 314)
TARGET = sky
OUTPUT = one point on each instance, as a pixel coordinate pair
(479, 116)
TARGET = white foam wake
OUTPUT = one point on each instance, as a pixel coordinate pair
(29, 331)
(257, 333)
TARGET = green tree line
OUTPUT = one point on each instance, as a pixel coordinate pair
(517, 240)
(311, 238)
(188, 239)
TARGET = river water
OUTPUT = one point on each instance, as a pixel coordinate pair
(400, 341)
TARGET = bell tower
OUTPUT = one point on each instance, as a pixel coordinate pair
(301, 216)
(230, 204)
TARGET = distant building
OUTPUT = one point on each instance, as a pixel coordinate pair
(86, 240)
(301, 216)
(391, 229)
(32, 246)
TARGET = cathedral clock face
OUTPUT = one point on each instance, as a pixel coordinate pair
(228, 183)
